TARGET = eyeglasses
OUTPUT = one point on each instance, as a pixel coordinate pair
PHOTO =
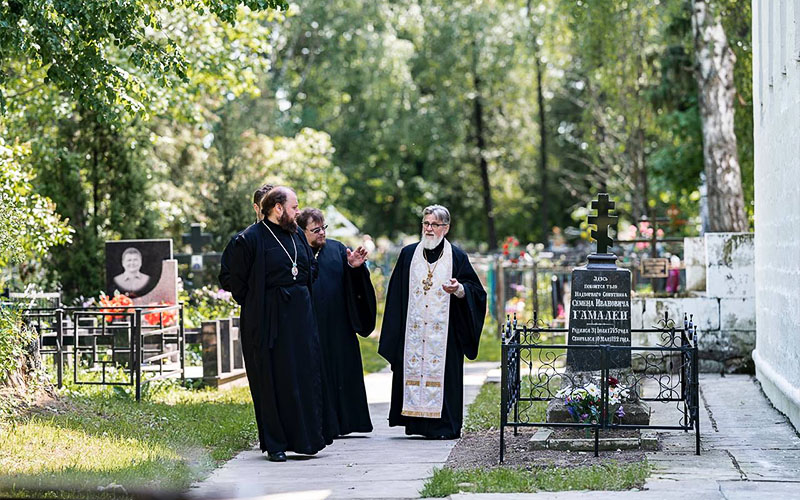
(317, 230)
(434, 225)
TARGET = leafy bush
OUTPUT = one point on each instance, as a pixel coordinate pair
(19, 374)
(15, 343)
(205, 304)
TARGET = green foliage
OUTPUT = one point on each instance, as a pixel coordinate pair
(484, 412)
(29, 226)
(613, 476)
(367, 105)
(15, 342)
(102, 53)
(168, 441)
(206, 304)
(489, 348)
(246, 160)
(372, 361)
(394, 85)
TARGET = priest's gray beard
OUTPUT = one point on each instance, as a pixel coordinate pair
(430, 242)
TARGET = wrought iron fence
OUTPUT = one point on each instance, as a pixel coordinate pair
(535, 373)
(112, 346)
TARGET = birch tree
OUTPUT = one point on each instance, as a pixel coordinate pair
(714, 71)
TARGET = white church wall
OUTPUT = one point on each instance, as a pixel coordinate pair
(776, 109)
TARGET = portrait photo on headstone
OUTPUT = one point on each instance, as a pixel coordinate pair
(133, 267)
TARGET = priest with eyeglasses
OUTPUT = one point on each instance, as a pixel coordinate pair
(435, 308)
(345, 306)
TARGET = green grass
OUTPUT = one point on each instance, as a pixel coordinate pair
(610, 476)
(372, 361)
(489, 349)
(484, 412)
(98, 437)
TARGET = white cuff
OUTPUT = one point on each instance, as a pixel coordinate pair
(460, 293)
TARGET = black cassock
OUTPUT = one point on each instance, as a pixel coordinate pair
(344, 302)
(463, 335)
(280, 341)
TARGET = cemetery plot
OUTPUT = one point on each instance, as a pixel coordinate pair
(536, 373)
(112, 346)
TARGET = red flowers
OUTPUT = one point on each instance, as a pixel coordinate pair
(164, 318)
(118, 300)
(511, 249)
(613, 382)
(121, 303)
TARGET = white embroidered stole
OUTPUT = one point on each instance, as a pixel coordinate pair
(426, 335)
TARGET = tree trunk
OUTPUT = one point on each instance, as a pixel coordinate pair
(714, 73)
(544, 216)
(477, 107)
(543, 205)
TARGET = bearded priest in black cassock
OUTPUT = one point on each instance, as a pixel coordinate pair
(269, 271)
(435, 307)
(345, 305)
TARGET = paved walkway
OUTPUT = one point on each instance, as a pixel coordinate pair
(748, 451)
(383, 464)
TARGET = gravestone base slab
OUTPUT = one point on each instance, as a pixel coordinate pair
(544, 439)
(235, 378)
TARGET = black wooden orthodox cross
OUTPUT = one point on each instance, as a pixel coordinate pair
(197, 238)
(603, 221)
(197, 260)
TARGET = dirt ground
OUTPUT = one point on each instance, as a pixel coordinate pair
(482, 449)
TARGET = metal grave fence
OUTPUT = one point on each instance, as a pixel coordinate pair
(119, 346)
(534, 374)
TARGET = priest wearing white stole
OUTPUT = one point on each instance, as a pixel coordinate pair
(435, 307)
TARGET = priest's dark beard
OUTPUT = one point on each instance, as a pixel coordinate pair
(287, 223)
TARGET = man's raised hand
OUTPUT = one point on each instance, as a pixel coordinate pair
(357, 257)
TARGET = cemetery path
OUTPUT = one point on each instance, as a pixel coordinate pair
(382, 464)
(748, 451)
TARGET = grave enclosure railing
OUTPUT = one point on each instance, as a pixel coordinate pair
(112, 346)
(534, 371)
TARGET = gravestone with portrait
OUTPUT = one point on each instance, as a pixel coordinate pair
(145, 271)
(142, 269)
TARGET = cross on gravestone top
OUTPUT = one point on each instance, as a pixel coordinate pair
(603, 221)
(197, 238)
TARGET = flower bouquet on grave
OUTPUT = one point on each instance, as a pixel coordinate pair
(161, 318)
(512, 251)
(584, 403)
(114, 304)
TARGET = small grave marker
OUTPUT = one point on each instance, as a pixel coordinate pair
(654, 268)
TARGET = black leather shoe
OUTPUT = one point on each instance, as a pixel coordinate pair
(278, 456)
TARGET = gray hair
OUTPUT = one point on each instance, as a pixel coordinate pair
(441, 213)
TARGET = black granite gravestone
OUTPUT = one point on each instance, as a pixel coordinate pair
(600, 306)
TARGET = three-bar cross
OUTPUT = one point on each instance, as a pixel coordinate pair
(603, 221)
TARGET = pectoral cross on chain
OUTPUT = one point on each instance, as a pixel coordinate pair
(427, 283)
(603, 221)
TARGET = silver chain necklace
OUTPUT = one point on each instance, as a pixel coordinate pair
(294, 261)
